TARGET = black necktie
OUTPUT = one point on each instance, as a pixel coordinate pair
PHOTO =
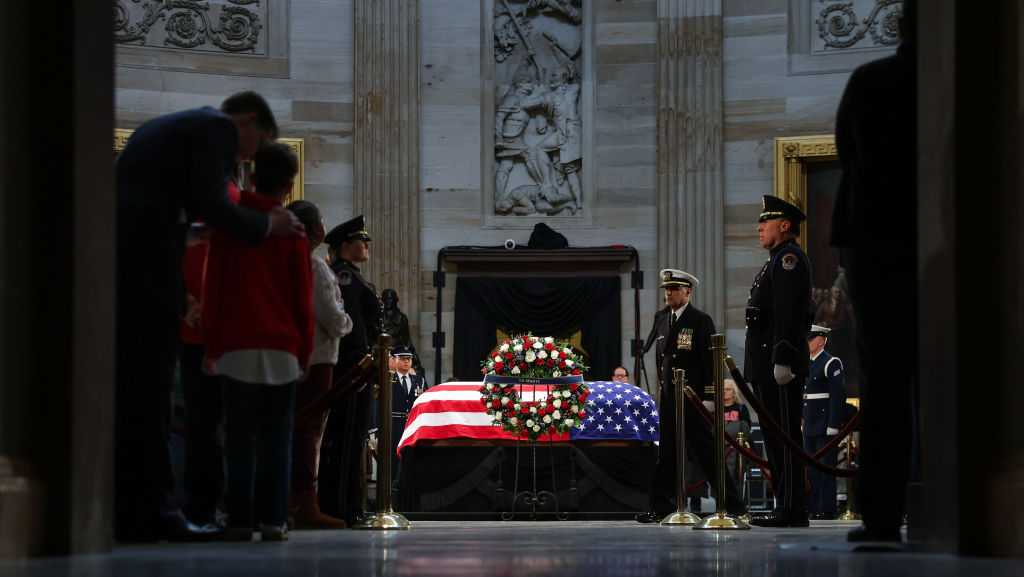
(405, 384)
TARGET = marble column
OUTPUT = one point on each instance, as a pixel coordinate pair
(386, 136)
(691, 223)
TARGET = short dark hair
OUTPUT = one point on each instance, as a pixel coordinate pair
(623, 368)
(307, 213)
(794, 227)
(276, 164)
(249, 102)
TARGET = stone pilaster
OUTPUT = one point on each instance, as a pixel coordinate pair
(386, 137)
(691, 203)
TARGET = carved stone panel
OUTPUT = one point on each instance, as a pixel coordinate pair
(233, 26)
(856, 24)
(539, 67)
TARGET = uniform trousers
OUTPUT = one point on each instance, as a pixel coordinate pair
(340, 479)
(822, 498)
(785, 404)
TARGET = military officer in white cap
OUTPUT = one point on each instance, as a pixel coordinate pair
(682, 334)
(824, 408)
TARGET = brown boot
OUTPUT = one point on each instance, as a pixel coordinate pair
(308, 515)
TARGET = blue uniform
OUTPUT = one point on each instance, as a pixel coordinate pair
(824, 406)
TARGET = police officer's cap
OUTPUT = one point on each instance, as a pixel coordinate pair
(401, 352)
(818, 331)
(354, 229)
(773, 207)
(672, 277)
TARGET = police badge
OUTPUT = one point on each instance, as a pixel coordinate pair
(684, 342)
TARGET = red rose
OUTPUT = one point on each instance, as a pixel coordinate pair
(573, 387)
(549, 346)
(522, 366)
(499, 365)
(577, 372)
(524, 409)
(561, 365)
(509, 356)
(496, 403)
(582, 413)
(540, 362)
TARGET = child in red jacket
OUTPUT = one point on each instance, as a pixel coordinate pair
(258, 329)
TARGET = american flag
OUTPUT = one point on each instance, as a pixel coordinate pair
(615, 411)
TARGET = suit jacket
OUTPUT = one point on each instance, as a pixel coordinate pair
(401, 403)
(821, 412)
(779, 315)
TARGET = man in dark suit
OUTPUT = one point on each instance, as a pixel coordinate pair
(174, 170)
(824, 412)
(347, 426)
(682, 334)
(874, 225)
(778, 318)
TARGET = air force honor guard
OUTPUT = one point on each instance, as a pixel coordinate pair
(683, 336)
(778, 319)
(824, 407)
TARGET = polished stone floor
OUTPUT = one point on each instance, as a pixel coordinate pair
(521, 549)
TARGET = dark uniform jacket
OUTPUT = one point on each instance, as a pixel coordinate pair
(824, 396)
(685, 344)
(401, 404)
(362, 304)
(779, 315)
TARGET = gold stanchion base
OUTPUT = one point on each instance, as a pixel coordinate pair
(849, 515)
(681, 518)
(722, 522)
(390, 521)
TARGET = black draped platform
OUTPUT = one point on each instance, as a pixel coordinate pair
(476, 479)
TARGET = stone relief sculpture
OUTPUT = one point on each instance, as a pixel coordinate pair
(203, 25)
(538, 127)
(843, 25)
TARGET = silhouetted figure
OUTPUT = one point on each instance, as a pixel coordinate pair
(396, 324)
(874, 226)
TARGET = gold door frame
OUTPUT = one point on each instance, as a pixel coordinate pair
(297, 145)
(792, 155)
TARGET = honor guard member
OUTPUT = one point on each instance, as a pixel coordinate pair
(778, 319)
(683, 336)
(340, 492)
(405, 387)
(824, 409)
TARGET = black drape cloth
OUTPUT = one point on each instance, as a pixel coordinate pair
(556, 307)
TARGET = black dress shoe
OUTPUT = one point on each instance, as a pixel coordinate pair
(648, 517)
(874, 535)
(177, 528)
(779, 519)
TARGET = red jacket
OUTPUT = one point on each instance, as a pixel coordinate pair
(258, 296)
(193, 269)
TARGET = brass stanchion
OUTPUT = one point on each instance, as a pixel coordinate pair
(721, 520)
(741, 440)
(849, 514)
(681, 516)
(385, 518)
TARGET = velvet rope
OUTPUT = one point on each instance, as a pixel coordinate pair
(343, 384)
(773, 429)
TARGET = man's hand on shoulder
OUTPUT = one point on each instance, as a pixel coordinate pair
(284, 223)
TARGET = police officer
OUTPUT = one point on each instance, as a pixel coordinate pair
(348, 246)
(682, 333)
(824, 407)
(778, 319)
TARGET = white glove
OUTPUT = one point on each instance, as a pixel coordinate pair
(831, 432)
(783, 374)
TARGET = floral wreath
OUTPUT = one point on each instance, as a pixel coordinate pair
(542, 361)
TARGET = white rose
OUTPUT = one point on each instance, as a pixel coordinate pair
(569, 363)
(530, 356)
(529, 422)
(549, 340)
(569, 422)
(515, 370)
(513, 421)
(505, 400)
(497, 358)
(556, 415)
(554, 354)
(574, 408)
(489, 387)
(566, 351)
(518, 348)
(516, 406)
(567, 394)
(533, 410)
(557, 403)
(504, 348)
(538, 345)
(536, 429)
(547, 418)
(542, 355)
